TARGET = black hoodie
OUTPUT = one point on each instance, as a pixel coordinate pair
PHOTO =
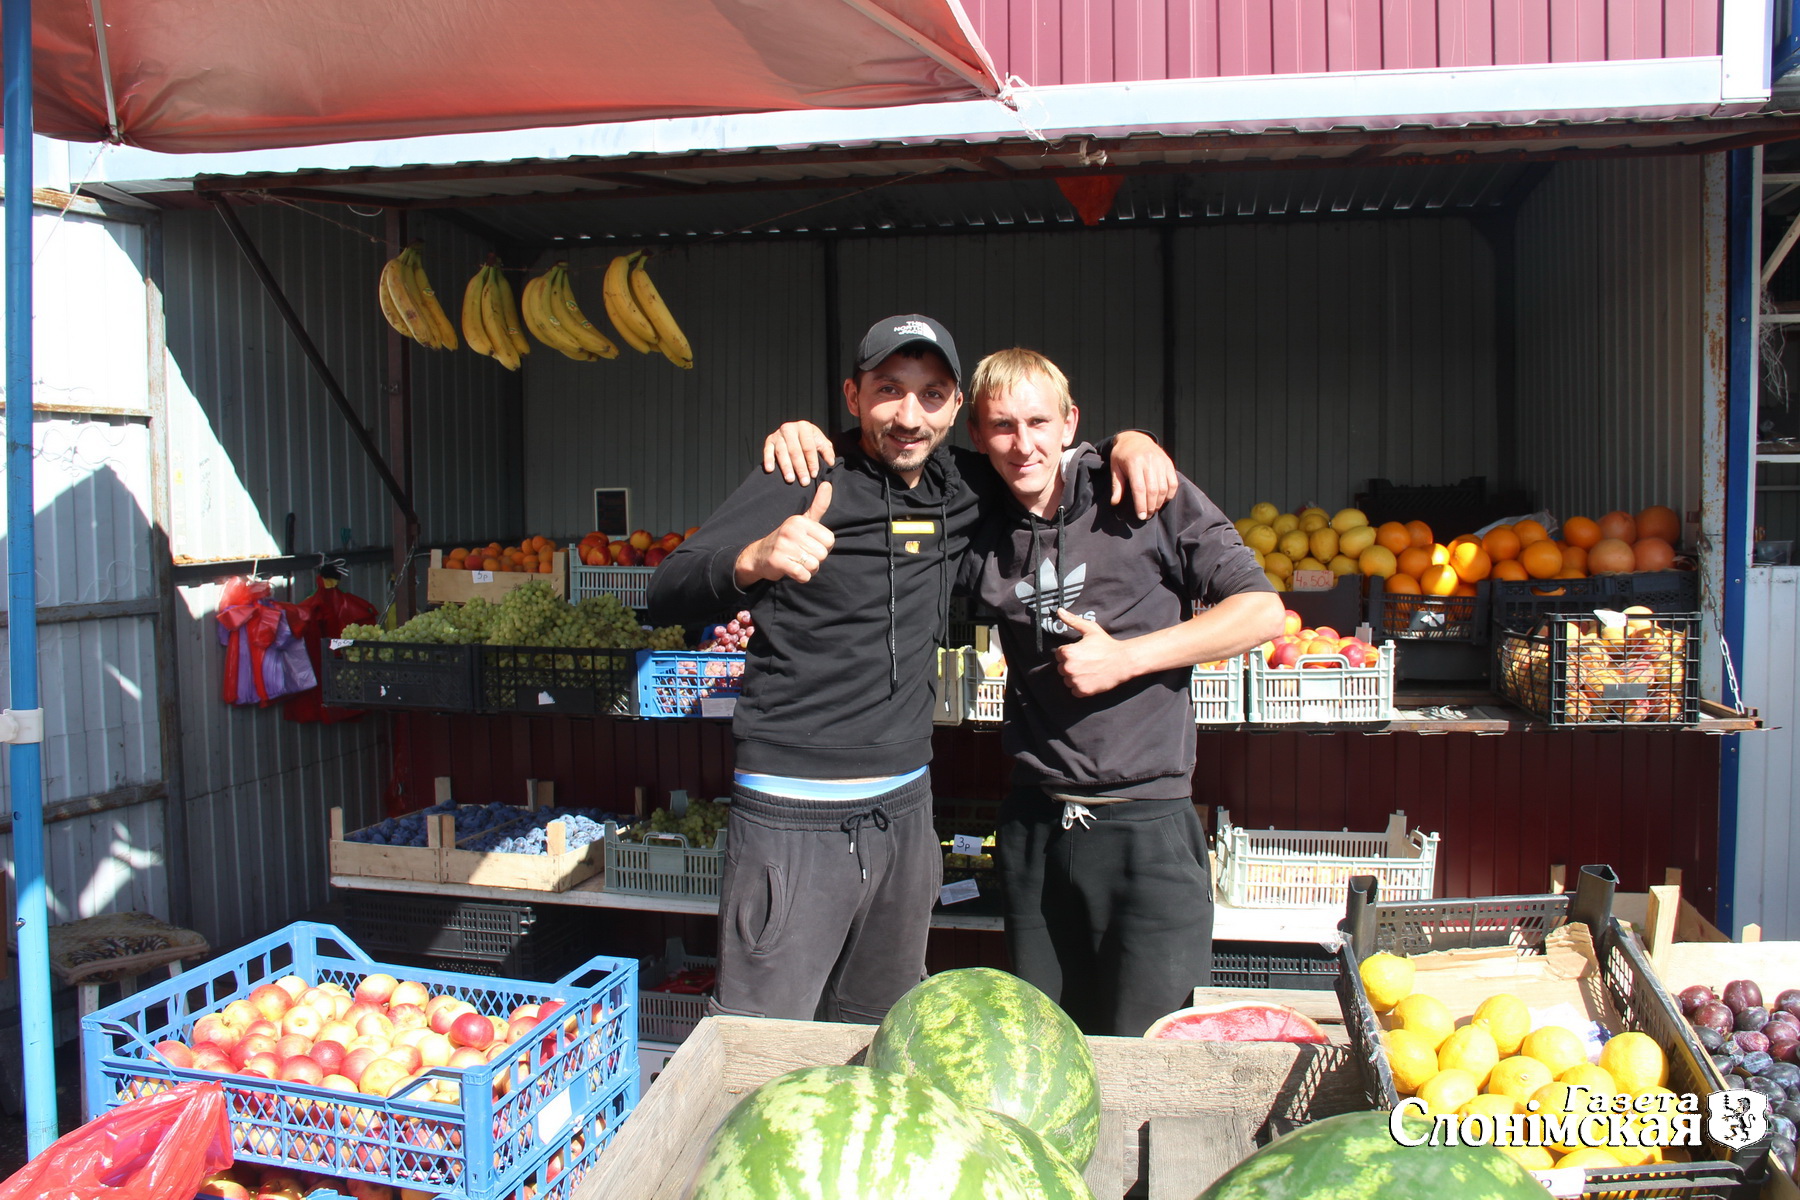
(838, 681)
(1131, 577)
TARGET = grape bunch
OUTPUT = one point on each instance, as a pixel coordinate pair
(529, 615)
(734, 635)
(701, 825)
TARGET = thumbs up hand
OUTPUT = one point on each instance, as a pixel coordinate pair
(1093, 663)
(796, 549)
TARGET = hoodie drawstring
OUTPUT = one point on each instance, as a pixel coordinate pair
(877, 817)
(1073, 812)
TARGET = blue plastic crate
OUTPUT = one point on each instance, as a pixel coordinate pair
(510, 1110)
(673, 683)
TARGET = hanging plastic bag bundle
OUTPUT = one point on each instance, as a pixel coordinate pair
(327, 611)
(264, 656)
(160, 1147)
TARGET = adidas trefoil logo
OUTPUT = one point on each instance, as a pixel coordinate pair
(1048, 595)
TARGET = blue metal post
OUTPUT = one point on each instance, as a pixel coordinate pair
(25, 766)
(1742, 280)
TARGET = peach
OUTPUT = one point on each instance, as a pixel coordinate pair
(381, 1077)
(293, 985)
(302, 1020)
(377, 988)
(271, 1002)
(409, 991)
(178, 1054)
(473, 1030)
(303, 1069)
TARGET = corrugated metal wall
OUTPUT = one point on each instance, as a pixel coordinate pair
(1768, 826)
(1611, 336)
(1050, 41)
(1308, 357)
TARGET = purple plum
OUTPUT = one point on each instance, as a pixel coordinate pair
(1789, 1002)
(1753, 1018)
(1693, 997)
(1740, 994)
(1749, 1041)
(1714, 1015)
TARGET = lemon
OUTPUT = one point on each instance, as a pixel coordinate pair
(1490, 1105)
(1243, 525)
(1636, 1062)
(1285, 524)
(1518, 1077)
(1294, 544)
(1637, 1156)
(1312, 521)
(1470, 1049)
(1264, 513)
(1555, 1047)
(1260, 538)
(1387, 978)
(1532, 1158)
(1507, 1018)
(1426, 1016)
(1560, 1100)
(1412, 1059)
(1448, 1091)
(1594, 1079)
(1588, 1158)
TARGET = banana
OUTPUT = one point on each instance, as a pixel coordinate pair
(473, 331)
(494, 321)
(562, 303)
(393, 285)
(626, 317)
(669, 338)
(509, 312)
(543, 326)
(418, 317)
(388, 309)
(443, 332)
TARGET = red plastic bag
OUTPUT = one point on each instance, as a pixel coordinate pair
(158, 1148)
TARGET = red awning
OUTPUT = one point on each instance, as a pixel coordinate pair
(218, 75)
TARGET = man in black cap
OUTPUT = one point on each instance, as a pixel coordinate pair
(832, 865)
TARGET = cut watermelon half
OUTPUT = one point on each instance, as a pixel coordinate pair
(1243, 1021)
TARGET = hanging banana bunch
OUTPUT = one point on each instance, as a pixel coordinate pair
(490, 317)
(554, 318)
(410, 305)
(637, 311)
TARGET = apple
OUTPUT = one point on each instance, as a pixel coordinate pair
(449, 1093)
(409, 991)
(626, 555)
(293, 985)
(224, 1187)
(270, 1001)
(654, 556)
(640, 539)
(376, 989)
(279, 1187)
(178, 1054)
(256, 1043)
(210, 1058)
(355, 1061)
(318, 999)
(214, 1030)
(359, 1009)
(1355, 653)
(341, 1003)
(446, 1015)
(292, 1045)
(407, 1016)
(406, 1056)
(379, 1045)
(435, 1050)
(265, 1063)
(303, 1069)
(438, 1001)
(302, 1021)
(381, 1077)
(524, 1010)
(1285, 655)
(328, 1054)
(501, 1029)
(263, 1028)
(517, 1028)
(473, 1030)
(464, 1057)
(336, 1031)
(412, 1037)
(241, 1013)
(375, 1025)
(554, 1167)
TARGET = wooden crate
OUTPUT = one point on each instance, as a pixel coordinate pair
(557, 871)
(420, 863)
(443, 586)
(1174, 1115)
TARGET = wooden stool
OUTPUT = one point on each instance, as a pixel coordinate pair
(116, 948)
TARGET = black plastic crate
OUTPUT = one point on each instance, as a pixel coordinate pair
(1409, 618)
(1514, 603)
(512, 941)
(1559, 670)
(399, 675)
(538, 679)
(1421, 926)
(1274, 965)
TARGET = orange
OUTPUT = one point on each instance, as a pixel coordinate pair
(1414, 560)
(1581, 531)
(1440, 554)
(1541, 558)
(544, 568)
(1509, 569)
(1402, 585)
(1575, 558)
(1439, 580)
(490, 563)
(1470, 561)
(1462, 538)
(1464, 589)
(1394, 536)
(1530, 531)
(1501, 543)
(1421, 533)
(1567, 573)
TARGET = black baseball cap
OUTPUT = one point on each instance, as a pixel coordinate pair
(886, 336)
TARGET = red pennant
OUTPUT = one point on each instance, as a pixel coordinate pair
(1092, 195)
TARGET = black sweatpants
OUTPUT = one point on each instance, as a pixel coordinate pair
(1113, 920)
(825, 905)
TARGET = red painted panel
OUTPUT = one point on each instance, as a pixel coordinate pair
(1465, 33)
(1246, 37)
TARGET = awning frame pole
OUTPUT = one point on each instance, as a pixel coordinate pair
(25, 765)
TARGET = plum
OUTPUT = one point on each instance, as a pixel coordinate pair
(1693, 997)
(1780, 1016)
(1785, 1050)
(1754, 1063)
(1735, 1082)
(1714, 1015)
(1774, 1091)
(1789, 1109)
(1740, 994)
(1752, 1018)
(1789, 1001)
(1783, 1151)
(1710, 1039)
(1749, 1041)
(1784, 1073)
(1782, 1127)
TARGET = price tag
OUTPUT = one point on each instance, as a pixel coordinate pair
(956, 893)
(1313, 581)
(483, 576)
(555, 1116)
(966, 843)
(718, 706)
(546, 698)
(340, 643)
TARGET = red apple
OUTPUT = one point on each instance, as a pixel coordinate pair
(377, 988)
(438, 1001)
(224, 1187)
(1285, 655)
(464, 1057)
(328, 1054)
(247, 1047)
(406, 1056)
(435, 1050)
(266, 1063)
(302, 1020)
(270, 1001)
(524, 1010)
(336, 1031)
(409, 991)
(214, 1030)
(355, 1061)
(446, 1015)
(408, 1016)
(473, 1030)
(293, 985)
(375, 1025)
(241, 1013)
(302, 1069)
(208, 1057)
(292, 1046)
(518, 1027)
(548, 1009)
(381, 1078)
(178, 1054)
(359, 1009)
(262, 1028)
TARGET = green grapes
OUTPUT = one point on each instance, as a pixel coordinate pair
(530, 615)
(700, 826)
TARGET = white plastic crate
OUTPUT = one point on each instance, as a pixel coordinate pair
(630, 584)
(1218, 697)
(1290, 868)
(670, 1016)
(986, 698)
(1333, 693)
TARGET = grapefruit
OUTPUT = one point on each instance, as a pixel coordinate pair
(1240, 1021)
(1659, 521)
(1620, 525)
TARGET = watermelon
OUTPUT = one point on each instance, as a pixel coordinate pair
(993, 1041)
(1240, 1021)
(851, 1133)
(1044, 1172)
(1354, 1157)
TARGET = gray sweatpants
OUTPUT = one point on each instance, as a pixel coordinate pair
(825, 906)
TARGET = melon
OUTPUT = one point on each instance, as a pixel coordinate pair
(1045, 1173)
(1240, 1021)
(1354, 1157)
(991, 1040)
(852, 1133)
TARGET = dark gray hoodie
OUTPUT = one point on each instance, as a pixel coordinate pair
(1131, 577)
